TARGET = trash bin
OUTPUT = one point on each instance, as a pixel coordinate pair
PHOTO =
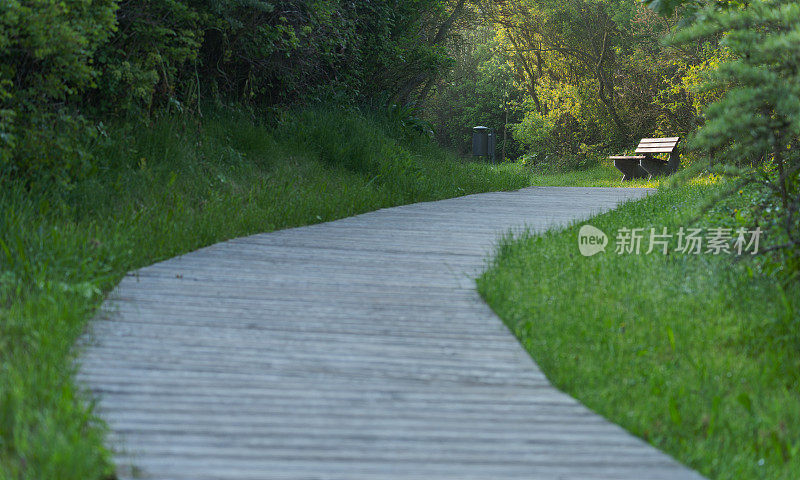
(483, 142)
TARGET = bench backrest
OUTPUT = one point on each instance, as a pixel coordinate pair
(658, 145)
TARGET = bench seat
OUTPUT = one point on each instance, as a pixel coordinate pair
(647, 166)
(627, 157)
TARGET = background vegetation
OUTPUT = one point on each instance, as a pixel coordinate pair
(67, 66)
(575, 78)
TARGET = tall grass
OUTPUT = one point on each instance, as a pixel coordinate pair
(697, 354)
(161, 190)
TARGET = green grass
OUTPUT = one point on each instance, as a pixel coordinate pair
(603, 175)
(697, 354)
(161, 190)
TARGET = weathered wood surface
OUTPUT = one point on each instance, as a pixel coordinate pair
(658, 145)
(355, 349)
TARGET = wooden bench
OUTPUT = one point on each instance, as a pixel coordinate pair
(643, 164)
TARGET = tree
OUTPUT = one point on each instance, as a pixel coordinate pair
(578, 34)
(64, 63)
(756, 122)
(594, 74)
(422, 82)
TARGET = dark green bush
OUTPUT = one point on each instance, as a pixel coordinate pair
(144, 65)
(66, 65)
(755, 123)
(46, 60)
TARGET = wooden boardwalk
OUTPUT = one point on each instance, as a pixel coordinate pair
(354, 349)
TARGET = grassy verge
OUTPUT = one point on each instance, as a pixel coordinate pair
(603, 175)
(697, 354)
(163, 190)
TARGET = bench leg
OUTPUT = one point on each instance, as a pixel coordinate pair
(674, 162)
(630, 169)
(655, 167)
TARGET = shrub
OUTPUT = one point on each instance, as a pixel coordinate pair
(46, 49)
(756, 121)
(143, 64)
(64, 62)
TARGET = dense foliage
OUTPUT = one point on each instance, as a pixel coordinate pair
(478, 90)
(756, 121)
(46, 59)
(572, 79)
(63, 62)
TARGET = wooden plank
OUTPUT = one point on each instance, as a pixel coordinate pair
(660, 148)
(662, 139)
(655, 149)
(351, 349)
(657, 143)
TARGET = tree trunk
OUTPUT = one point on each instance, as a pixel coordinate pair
(606, 93)
(505, 126)
(404, 96)
(528, 70)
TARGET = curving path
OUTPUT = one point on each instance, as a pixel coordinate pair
(354, 349)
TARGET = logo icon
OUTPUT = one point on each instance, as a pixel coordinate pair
(591, 240)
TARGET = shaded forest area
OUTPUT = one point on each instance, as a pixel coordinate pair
(67, 66)
(563, 80)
